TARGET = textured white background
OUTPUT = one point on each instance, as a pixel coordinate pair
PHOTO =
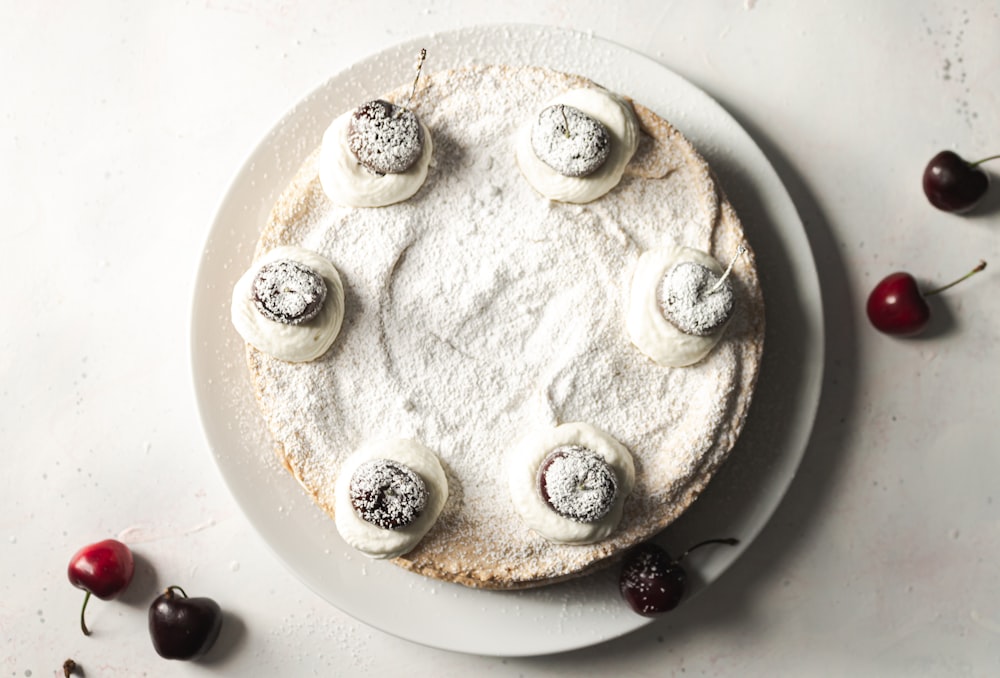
(121, 125)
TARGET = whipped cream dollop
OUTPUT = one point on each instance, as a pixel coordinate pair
(525, 460)
(622, 126)
(375, 541)
(647, 325)
(300, 342)
(347, 182)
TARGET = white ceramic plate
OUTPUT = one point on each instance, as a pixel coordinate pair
(739, 500)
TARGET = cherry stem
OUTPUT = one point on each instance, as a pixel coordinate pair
(171, 589)
(83, 624)
(562, 109)
(977, 269)
(416, 78)
(728, 542)
(739, 252)
(69, 668)
(979, 162)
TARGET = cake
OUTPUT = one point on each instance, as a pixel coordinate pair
(478, 316)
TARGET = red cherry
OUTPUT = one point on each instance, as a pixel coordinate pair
(897, 306)
(103, 569)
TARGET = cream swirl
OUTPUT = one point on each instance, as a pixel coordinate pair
(617, 117)
(648, 327)
(526, 459)
(375, 541)
(293, 343)
(347, 182)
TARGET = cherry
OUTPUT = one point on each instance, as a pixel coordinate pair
(953, 184)
(384, 137)
(652, 582)
(897, 306)
(570, 141)
(695, 300)
(183, 627)
(288, 292)
(103, 569)
(388, 494)
(577, 483)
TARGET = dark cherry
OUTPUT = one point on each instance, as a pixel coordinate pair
(388, 494)
(577, 483)
(953, 184)
(183, 627)
(288, 292)
(897, 306)
(695, 300)
(570, 141)
(104, 569)
(652, 582)
(384, 137)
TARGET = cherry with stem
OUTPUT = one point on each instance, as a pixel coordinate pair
(652, 582)
(103, 569)
(897, 306)
(952, 184)
(183, 627)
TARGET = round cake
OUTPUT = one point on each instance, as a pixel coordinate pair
(477, 312)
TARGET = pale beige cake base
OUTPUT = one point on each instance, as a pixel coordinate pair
(678, 423)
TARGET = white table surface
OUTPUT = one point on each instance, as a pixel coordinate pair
(121, 126)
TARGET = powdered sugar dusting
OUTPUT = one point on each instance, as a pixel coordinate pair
(475, 301)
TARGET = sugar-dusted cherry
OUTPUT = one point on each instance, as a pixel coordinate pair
(897, 306)
(570, 141)
(652, 582)
(954, 184)
(288, 292)
(577, 483)
(182, 627)
(388, 494)
(696, 300)
(103, 569)
(387, 138)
